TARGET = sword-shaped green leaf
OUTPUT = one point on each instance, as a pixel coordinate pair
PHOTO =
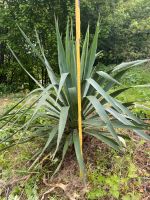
(62, 124)
(103, 115)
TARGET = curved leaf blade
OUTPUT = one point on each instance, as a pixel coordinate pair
(78, 154)
(110, 142)
(103, 115)
(62, 124)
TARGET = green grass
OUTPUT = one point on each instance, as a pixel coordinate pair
(110, 175)
(137, 76)
(115, 176)
(142, 98)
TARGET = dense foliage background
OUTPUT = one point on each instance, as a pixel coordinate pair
(124, 36)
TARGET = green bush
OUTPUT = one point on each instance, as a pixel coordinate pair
(102, 113)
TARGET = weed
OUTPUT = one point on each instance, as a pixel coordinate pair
(116, 180)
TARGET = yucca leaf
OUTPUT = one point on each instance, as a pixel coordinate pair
(141, 86)
(51, 100)
(93, 122)
(14, 115)
(5, 139)
(51, 74)
(119, 91)
(119, 116)
(44, 61)
(24, 68)
(88, 108)
(42, 101)
(52, 134)
(144, 107)
(122, 119)
(91, 55)
(127, 112)
(108, 77)
(61, 52)
(31, 45)
(86, 89)
(73, 103)
(68, 142)
(20, 142)
(62, 124)
(78, 154)
(24, 112)
(70, 55)
(103, 115)
(72, 67)
(110, 142)
(51, 107)
(116, 104)
(8, 112)
(118, 75)
(128, 104)
(67, 44)
(97, 123)
(62, 81)
(69, 52)
(84, 52)
(100, 90)
(118, 124)
(142, 134)
(126, 65)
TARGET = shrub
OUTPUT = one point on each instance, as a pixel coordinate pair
(57, 103)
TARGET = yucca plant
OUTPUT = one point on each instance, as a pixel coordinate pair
(103, 115)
